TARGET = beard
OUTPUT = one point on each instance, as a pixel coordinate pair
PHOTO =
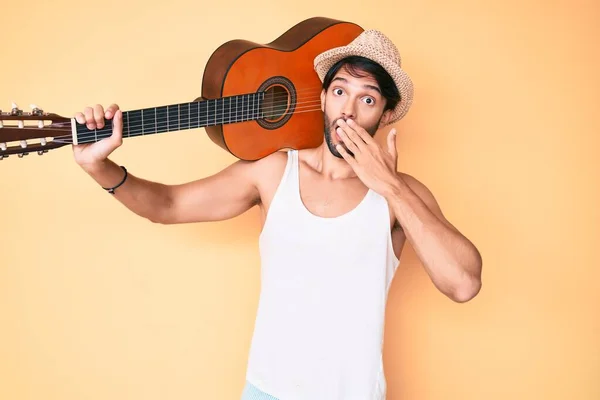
(330, 127)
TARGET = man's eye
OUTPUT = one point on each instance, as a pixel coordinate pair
(369, 101)
(337, 91)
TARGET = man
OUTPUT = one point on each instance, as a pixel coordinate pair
(335, 220)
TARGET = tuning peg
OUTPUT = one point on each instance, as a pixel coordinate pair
(35, 110)
(23, 143)
(3, 146)
(15, 109)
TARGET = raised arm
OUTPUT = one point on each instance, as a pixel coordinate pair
(224, 195)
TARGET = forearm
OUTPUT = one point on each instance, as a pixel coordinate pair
(147, 199)
(450, 259)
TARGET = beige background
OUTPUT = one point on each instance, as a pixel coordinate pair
(97, 303)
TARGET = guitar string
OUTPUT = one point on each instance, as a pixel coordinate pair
(222, 119)
(219, 118)
(248, 108)
(105, 135)
(138, 130)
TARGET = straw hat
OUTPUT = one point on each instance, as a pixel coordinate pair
(374, 45)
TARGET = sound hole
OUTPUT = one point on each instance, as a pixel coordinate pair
(279, 102)
(275, 103)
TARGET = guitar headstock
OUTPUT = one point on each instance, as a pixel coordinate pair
(23, 132)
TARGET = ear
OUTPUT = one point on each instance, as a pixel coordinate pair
(323, 100)
(385, 117)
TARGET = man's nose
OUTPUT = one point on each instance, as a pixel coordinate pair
(348, 110)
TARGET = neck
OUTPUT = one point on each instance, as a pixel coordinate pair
(178, 117)
(328, 165)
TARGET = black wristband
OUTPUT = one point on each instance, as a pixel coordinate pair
(112, 189)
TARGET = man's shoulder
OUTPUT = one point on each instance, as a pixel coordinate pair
(269, 168)
(273, 160)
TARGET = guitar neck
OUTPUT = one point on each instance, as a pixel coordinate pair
(178, 117)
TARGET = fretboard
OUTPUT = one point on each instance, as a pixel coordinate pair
(177, 117)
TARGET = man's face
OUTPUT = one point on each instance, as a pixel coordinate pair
(349, 97)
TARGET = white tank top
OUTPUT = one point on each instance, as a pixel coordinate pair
(324, 283)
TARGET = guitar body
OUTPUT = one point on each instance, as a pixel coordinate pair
(284, 69)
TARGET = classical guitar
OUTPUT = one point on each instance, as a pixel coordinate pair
(256, 99)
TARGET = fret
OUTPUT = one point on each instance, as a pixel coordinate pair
(257, 108)
(229, 101)
(194, 111)
(221, 117)
(148, 124)
(125, 124)
(210, 112)
(262, 109)
(216, 117)
(247, 109)
(202, 113)
(184, 116)
(219, 111)
(173, 117)
(251, 107)
(162, 119)
(226, 116)
(215, 112)
(135, 123)
(236, 109)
